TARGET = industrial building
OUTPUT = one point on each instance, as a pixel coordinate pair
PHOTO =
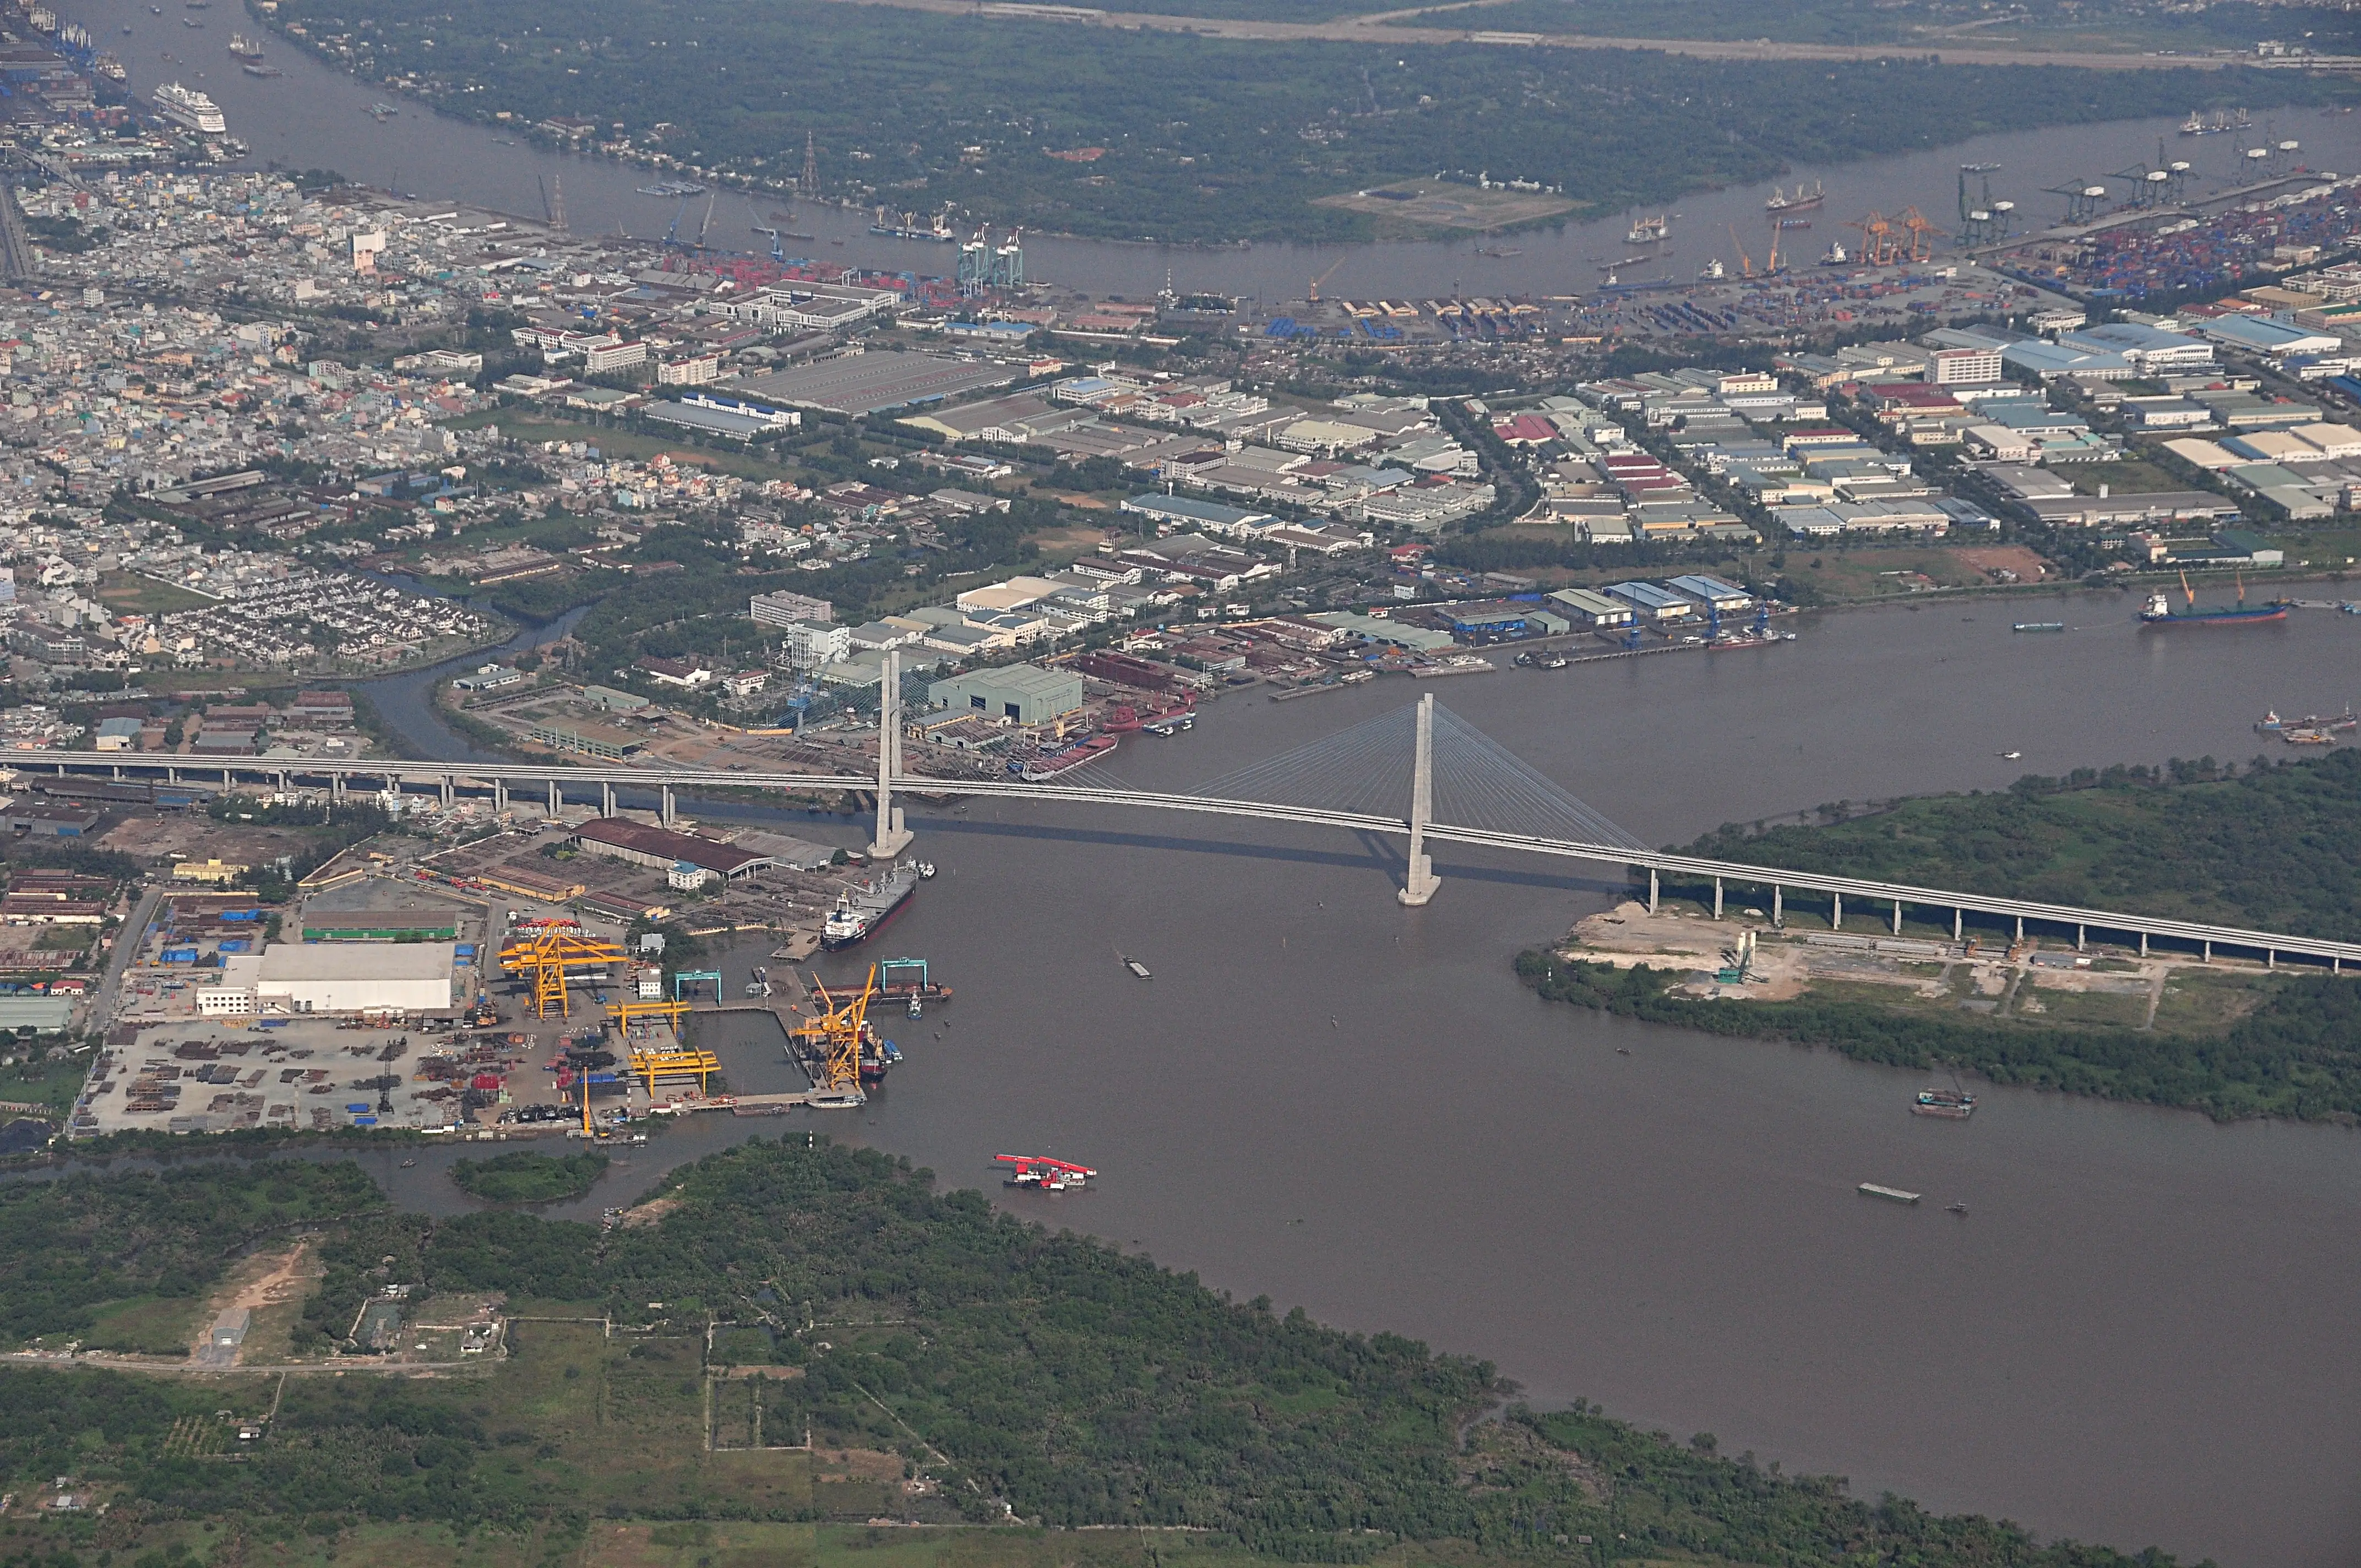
(373, 910)
(1590, 610)
(874, 383)
(1712, 594)
(1025, 693)
(1211, 516)
(618, 838)
(325, 977)
(1505, 619)
(56, 821)
(1391, 633)
(1651, 604)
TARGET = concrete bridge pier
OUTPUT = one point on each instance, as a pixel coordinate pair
(1898, 917)
(2082, 938)
(1717, 898)
(1420, 886)
(1652, 890)
(1958, 924)
(1778, 906)
(2143, 944)
(556, 800)
(606, 798)
(667, 808)
(336, 788)
(499, 796)
(2020, 928)
(450, 791)
(892, 838)
(2208, 957)
(1836, 912)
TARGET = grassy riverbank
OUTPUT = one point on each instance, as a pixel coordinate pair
(789, 1334)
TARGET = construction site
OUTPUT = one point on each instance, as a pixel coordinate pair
(1748, 955)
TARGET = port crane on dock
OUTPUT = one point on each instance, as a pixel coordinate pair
(548, 951)
(833, 1035)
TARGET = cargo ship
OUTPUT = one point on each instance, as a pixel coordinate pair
(2159, 610)
(245, 48)
(1073, 757)
(1650, 231)
(1953, 1105)
(862, 912)
(1803, 201)
(189, 109)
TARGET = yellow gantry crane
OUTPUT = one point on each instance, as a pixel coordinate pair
(548, 950)
(835, 1032)
(652, 1064)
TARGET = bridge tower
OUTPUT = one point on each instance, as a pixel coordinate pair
(892, 837)
(1421, 883)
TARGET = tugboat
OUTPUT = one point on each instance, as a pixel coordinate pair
(1952, 1104)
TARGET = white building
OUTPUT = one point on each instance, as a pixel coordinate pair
(812, 644)
(337, 977)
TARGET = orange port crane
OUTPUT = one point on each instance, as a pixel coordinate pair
(1878, 245)
(835, 1031)
(1745, 262)
(1323, 278)
(1920, 244)
(548, 950)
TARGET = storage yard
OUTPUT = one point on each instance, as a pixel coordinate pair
(2171, 249)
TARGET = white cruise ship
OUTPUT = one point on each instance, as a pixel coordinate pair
(189, 109)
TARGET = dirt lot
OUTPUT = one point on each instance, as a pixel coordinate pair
(200, 836)
(1986, 559)
(272, 1286)
(1925, 972)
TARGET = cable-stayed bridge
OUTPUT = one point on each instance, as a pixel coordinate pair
(1421, 773)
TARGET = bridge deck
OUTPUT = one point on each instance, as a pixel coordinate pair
(2270, 943)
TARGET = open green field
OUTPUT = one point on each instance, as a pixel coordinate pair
(614, 442)
(128, 592)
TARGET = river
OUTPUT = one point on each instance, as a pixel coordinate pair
(2141, 1332)
(315, 117)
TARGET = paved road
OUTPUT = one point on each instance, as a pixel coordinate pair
(1377, 30)
(127, 948)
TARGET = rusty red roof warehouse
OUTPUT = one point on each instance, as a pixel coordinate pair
(642, 845)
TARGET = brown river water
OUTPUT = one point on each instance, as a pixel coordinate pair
(2141, 1334)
